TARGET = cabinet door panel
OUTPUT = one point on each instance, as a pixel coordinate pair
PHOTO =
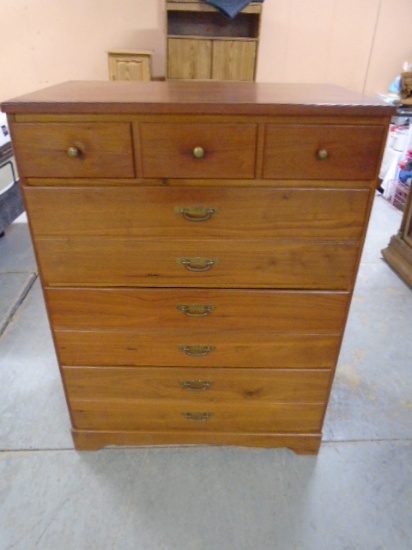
(233, 60)
(189, 58)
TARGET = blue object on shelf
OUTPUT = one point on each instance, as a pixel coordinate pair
(231, 7)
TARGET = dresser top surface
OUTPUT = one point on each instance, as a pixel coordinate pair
(194, 97)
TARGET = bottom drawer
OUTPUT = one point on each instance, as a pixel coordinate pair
(186, 416)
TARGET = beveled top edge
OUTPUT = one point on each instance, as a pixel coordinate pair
(195, 97)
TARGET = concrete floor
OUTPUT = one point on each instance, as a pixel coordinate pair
(355, 495)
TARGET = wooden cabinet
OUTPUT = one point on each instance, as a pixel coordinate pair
(198, 245)
(129, 65)
(398, 253)
(204, 44)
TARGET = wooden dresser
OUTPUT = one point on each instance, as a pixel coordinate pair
(198, 245)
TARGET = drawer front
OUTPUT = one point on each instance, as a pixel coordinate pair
(295, 151)
(293, 214)
(197, 385)
(196, 263)
(197, 349)
(157, 309)
(103, 149)
(168, 150)
(187, 416)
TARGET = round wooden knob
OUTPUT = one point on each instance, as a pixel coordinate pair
(198, 152)
(73, 152)
(323, 154)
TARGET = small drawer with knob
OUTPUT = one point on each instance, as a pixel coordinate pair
(197, 150)
(322, 151)
(75, 150)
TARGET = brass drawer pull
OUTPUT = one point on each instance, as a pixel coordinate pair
(74, 152)
(197, 417)
(196, 310)
(197, 213)
(323, 154)
(197, 351)
(198, 152)
(197, 264)
(196, 385)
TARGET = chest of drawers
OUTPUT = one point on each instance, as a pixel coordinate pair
(197, 246)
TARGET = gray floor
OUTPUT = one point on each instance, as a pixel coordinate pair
(355, 495)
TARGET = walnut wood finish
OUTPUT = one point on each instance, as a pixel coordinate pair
(89, 98)
(207, 386)
(129, 186)
(352, 152)
(239, 213)
(103, 149)
(168, 150)
(149, 309)
(92, 440)
(246, 349)
(158, 415)
(212, 264)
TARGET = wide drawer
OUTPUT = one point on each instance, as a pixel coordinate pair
(197, 263)
(322, 151)
(184, 415)
(196, 150)
(82, 150)
(197, 385)
(93, 211)
(198, 348)
(155, 309)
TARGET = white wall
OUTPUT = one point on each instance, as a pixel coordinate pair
(44, 42)
(359, 44)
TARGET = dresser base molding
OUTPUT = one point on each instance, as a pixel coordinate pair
(85, 440)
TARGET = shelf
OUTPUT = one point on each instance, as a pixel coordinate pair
(204, 44)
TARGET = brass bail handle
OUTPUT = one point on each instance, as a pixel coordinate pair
(196, 310)
(197, 416)
(198, 265)
(197, 351)
(196, 385)
(197, 213)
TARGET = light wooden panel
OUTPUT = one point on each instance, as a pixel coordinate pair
(233, 59)
(129, 65)
(188, 59)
